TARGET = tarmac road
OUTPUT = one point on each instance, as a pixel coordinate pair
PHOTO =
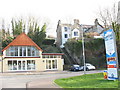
(37, 79)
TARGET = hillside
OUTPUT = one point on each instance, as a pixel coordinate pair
(94, 51)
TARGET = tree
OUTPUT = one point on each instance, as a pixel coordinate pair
(17, 27)
(108, 16)
(39, 35)
(3, 30)
(116, 28)
(31, 26)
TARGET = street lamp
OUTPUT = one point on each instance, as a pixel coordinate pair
(83, 47)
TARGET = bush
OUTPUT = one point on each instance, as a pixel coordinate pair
(94, 51)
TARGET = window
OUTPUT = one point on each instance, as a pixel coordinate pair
(20, 65)
(51, 56)
(30, 64)
(15, 65)
(16, 51)
(7, 52)
(29, 51)
(12, 51)
(9, 65)
(43, 56)
(37, 52)
(55, 56)
(65, 28)
(33, 51)
(51, 64)
(59, 56)
(75, 33)
(54, 63)
(22, 51)
(66, 36)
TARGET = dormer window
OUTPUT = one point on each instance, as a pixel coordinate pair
(75, 33)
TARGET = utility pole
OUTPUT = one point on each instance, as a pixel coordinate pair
(83, 47)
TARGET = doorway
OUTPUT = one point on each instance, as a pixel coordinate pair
(51, 64)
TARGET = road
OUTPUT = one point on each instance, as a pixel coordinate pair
(40, 80)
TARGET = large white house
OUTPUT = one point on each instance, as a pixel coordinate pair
(68, 31)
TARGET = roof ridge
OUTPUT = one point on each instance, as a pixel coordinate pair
(25, 41)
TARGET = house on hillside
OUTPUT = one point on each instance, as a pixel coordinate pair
(95, 30)
(68, 31)
(23, 54)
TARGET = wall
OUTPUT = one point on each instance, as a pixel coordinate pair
(60, 64)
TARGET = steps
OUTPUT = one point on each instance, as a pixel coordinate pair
(68, 59)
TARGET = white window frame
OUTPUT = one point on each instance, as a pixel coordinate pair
(21, 65)
(51, 64)
(8, 53)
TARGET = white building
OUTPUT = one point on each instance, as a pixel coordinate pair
(95, 28)
(67, 31)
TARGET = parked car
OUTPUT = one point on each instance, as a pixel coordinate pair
(75, 68)
(88, 67)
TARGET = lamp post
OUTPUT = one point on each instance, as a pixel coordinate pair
(2, 63)
(83, 47)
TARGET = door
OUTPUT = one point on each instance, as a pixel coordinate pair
(51, 64)
(23, 65)
(19, 65)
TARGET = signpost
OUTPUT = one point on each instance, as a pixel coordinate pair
(111, 54)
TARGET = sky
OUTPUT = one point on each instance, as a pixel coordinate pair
(53, 10)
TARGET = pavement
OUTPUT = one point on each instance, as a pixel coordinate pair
(31, 73)
(37, 79)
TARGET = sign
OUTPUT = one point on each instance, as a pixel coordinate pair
(111, 54)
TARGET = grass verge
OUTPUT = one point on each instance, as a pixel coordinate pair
(87, 81)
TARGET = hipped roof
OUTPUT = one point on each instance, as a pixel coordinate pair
(22, 40)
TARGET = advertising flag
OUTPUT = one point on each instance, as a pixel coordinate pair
(111, 54)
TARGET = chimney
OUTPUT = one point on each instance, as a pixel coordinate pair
(76, 21)
(96, 21)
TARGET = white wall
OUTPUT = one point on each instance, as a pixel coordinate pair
(64, 40)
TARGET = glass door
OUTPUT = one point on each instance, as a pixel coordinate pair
(23, 65)
(19, 65)
(54, 64)
(51, 64)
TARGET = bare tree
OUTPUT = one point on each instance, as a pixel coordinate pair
(108, 15)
